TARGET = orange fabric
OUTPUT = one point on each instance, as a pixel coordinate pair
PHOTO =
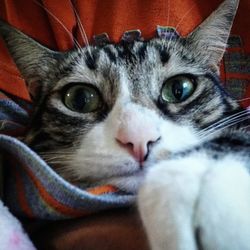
(102, 190)
(51, 201)
(98, 16)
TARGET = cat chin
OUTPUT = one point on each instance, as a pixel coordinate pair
(127, 184)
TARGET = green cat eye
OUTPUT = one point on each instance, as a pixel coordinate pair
(82, 98)
(177, 89)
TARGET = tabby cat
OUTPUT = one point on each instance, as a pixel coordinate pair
(151, 113)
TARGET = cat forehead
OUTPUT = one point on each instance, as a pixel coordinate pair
(137, 60)
(156, 51)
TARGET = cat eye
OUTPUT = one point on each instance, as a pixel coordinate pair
(177, 89)
(82, 98)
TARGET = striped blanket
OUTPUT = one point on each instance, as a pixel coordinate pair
(32, 189)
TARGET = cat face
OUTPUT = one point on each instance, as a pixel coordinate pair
(104, 115)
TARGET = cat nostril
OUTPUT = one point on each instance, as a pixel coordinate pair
(130, 145)
(150, 144)
(123, 143)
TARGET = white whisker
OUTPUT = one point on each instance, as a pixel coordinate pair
(82, 30)
(60, 22)
(245, 127)
(168, 14)
(228, 118)
(179, 23)
(220, 125)
(244, 99)
(208, 134)
(184, 16)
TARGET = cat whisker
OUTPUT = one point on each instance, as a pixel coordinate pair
(62, 158)
(185, 15)
(51, 153)
(92, 158)
(244, 99)
(218, 48)
(56, 159)
(68, 174)
(168, 13)
(60, 22)
(214, 131)
(245, 127)
(179, 23)
(63, 151)
(61, 165)
(55, 155)
(222, 125)
(222, 121)
(59, 159)
(82, 31)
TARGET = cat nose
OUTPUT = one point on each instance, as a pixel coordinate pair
(137, 137)
(139, 143)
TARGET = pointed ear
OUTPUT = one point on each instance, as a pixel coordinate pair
(209, 40)
(32, 59)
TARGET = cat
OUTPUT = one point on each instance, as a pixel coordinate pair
(148, 117)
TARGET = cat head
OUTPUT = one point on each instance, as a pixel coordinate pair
(104, 114)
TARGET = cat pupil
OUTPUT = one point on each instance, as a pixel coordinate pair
(182, 88)
(177, 89)
(82, 99)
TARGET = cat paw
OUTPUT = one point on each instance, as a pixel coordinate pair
(197, 203)
(222, 214)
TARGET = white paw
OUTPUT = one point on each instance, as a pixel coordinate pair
(223, 209)
(180, 196)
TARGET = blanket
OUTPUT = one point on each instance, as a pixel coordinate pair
(12, 235)
(32, 189)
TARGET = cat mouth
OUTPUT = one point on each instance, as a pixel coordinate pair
(125, 183)
(128, 184)
(129, 174)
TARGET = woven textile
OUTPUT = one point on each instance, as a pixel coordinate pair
(32, 188)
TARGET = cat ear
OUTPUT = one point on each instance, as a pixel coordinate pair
(209, 40)
(33, 60)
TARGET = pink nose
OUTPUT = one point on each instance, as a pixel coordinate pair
(137, 136)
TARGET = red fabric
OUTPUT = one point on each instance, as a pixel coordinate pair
(110, 16)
